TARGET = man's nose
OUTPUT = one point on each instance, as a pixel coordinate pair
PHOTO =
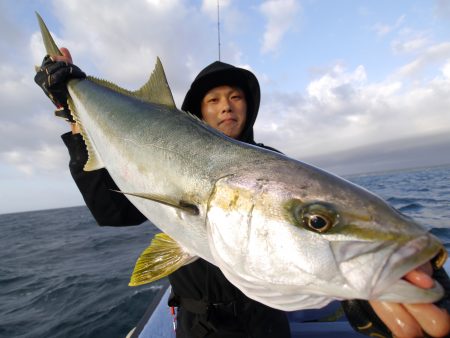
(226, 106)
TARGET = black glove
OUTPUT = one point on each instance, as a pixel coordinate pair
(441, 276)
(52, 77)
(363, 319)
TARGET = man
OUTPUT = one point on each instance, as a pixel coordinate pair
(227, 98)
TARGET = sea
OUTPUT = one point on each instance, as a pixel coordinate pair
(61, 275)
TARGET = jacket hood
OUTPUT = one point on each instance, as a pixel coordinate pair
(219, 74)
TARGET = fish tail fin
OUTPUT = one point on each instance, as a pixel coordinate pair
(50, 46)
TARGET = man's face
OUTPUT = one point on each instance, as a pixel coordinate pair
(225, 109)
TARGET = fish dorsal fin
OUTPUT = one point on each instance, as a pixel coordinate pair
(50, 46)
(157, 89)
(175, 203)
(161, 258)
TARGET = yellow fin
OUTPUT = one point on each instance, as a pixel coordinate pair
(160, 259)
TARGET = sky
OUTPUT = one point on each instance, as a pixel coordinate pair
(351, 86)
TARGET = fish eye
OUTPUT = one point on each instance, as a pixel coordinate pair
(317, 216)
(317, 223)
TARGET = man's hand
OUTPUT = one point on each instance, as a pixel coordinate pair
(384, 319)
(53, 76)
(412, 320)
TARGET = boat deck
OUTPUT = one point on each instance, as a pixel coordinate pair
(157, 322)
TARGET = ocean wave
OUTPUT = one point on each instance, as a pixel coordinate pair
(442, 233)
(411, 207)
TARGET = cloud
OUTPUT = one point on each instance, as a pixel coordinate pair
(13, 35)
(33, 147)
(336, 85)
(405, 40)
(410, 45)
(342, 109)
(389, 155)
(432, 55)
(45, 160)
(280, 16)
(383, 29)
(446, 70)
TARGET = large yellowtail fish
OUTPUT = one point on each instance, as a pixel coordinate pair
(287, 234)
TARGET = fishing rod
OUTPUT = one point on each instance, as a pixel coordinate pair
(218, 26)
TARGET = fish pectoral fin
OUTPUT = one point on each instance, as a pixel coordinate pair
(185, 206)
(161, 258)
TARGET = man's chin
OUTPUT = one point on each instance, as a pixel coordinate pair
(231, 131)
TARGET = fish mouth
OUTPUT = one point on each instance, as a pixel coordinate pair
(393, 287)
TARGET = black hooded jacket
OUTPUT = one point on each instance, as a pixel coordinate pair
(229, 312)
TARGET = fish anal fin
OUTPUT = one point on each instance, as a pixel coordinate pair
(160, 259)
